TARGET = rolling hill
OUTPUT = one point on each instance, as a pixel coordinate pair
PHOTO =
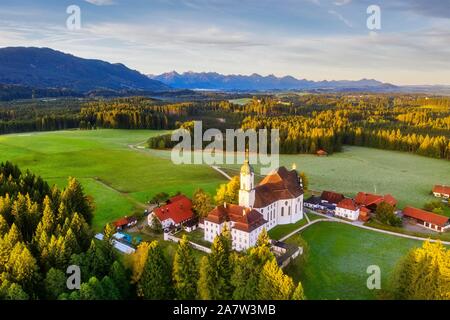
(47, 68)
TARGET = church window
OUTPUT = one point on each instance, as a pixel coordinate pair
(282, 211)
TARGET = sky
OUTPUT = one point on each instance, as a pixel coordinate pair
(307, 39)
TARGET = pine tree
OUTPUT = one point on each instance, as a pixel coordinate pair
(299, 294)
(75, 200)
(55, 283)
(424, 274)
(22, 267)
(138, 260)
(4, 227)
(109, 289)
(273, 284)
(119, 275)
(215, 275)
(156, 280)
(185, 275)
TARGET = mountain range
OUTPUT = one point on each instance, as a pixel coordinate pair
(256, 82)
(47, 68)
(27, 72)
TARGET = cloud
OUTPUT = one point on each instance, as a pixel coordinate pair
(341, 18)
(101, 2)
(342, 2)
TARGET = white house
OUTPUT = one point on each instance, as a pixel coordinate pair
(347, 209)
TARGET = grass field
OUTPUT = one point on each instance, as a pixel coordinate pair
(339, 255)
(241, 102)
(120, 178)
(409, 178)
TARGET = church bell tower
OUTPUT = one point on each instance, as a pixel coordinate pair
(247, 191)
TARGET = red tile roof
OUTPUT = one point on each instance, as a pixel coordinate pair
(121, 222)
(348, 204)
(124, 221)
(244, 219)
(426, 216)
(368, 199)
(322, 152)
(280, 185)
(178, 208)
(441, 189)
(332, 197)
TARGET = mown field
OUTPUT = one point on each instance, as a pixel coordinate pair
(408, 177)
(339, 255)
(120, 178)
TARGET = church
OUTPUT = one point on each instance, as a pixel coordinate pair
(276, 200)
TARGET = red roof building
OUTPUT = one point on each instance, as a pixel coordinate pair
(125, 222)
(245, 224)
(321, 153)
(177, 211)
(429, 220)
(371, 201)
(441, 191)
(332, 197)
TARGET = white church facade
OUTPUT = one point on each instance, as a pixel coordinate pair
(276, 200)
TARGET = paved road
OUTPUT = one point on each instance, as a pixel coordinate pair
(221, 172)
(358, 225)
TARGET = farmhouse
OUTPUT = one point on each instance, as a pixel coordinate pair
(371, 201)
(177, 211)
(125, 222)
(427, 219)
(278, 199)
(331, 197)
(347, 209)
(441, 191)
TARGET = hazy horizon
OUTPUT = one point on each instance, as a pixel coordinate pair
(307, 39)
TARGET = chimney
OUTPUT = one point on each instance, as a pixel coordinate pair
(224, 204)
(244, 212)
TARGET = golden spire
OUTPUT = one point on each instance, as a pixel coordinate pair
(246, 168)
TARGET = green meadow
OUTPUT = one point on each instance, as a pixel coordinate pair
(339, 254)
(409, 178)
(119, 176)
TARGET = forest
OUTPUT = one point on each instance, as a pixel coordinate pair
(307, 122)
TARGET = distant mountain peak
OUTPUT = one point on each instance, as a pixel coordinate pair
(257, 82)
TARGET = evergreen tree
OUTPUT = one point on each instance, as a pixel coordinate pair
(299, 294)
(120, 278)
(274, 284)
(215, 274)
(76, 201)
(156, 280)
(55, 283)
(423, 274)
(185, 275)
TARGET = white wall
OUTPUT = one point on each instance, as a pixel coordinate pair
(345, 213)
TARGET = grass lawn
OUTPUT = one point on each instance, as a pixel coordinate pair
(284, 229)
(339, 255)
(313, 216)
(196, 236)
(408, 177)
(120, 178)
